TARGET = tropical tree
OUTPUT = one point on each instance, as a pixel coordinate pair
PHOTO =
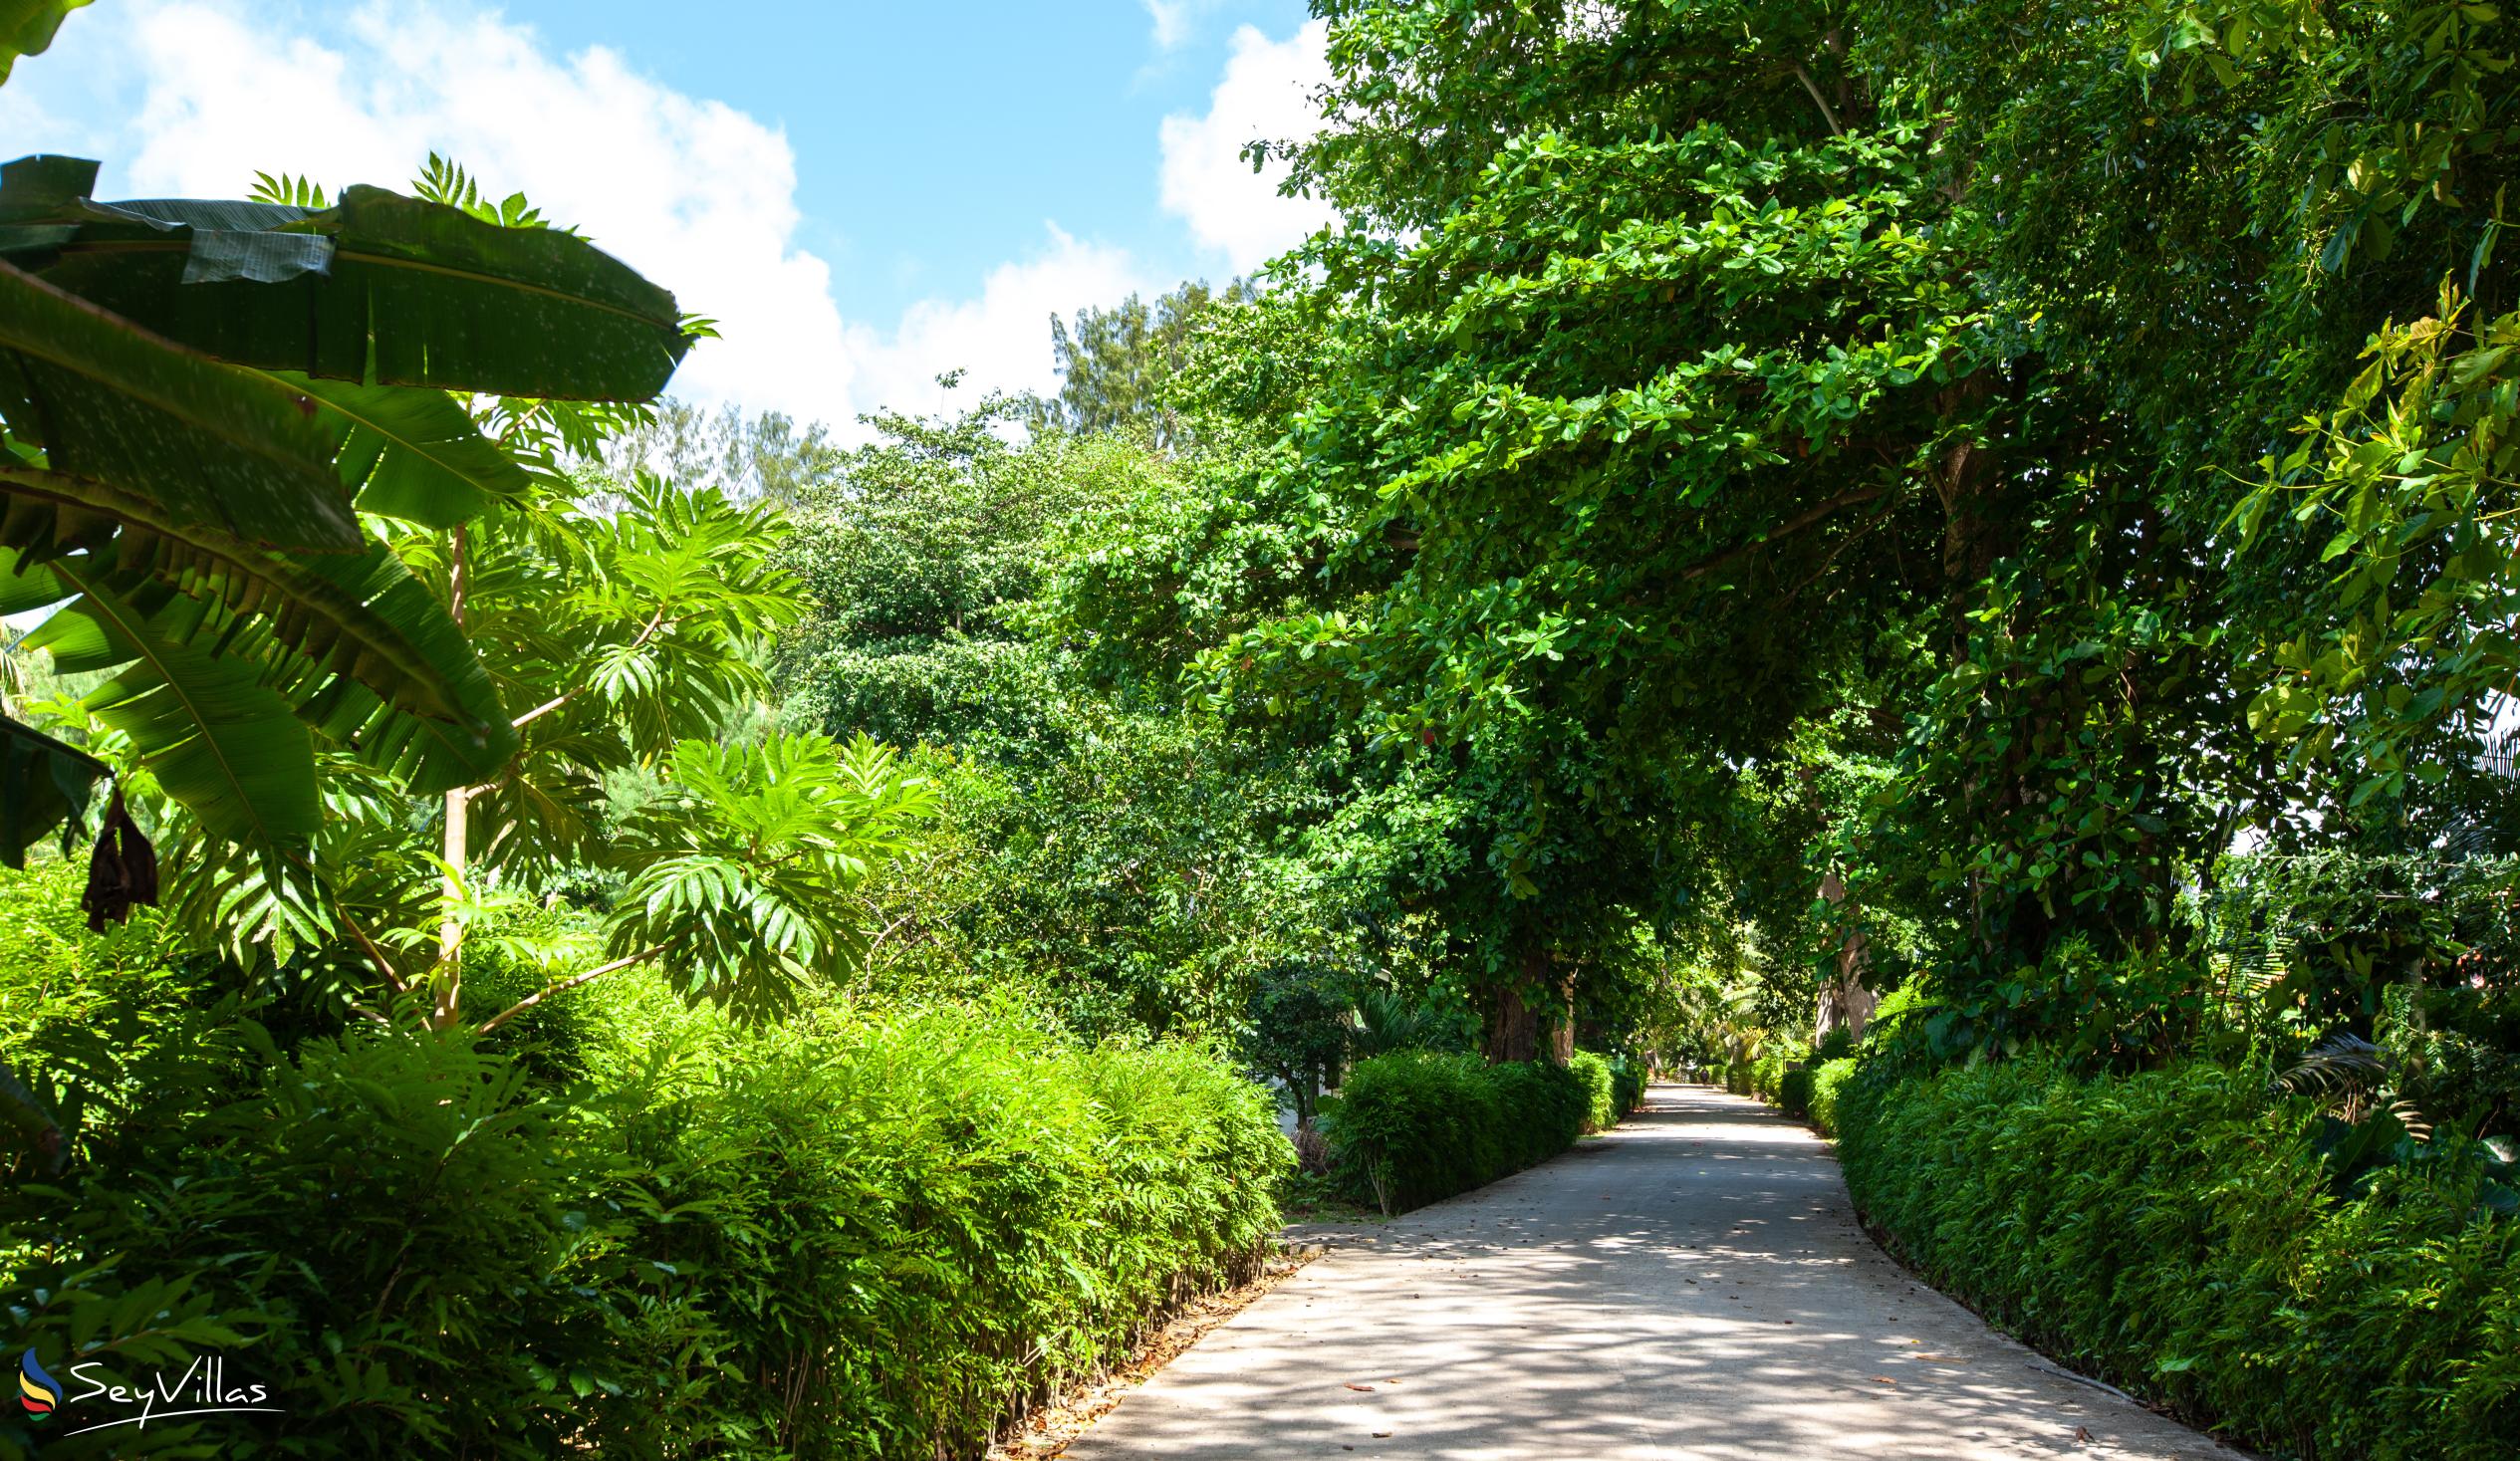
(921, 552)
(1116, 362)
(320, 597)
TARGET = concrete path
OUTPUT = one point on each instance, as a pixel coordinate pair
(1691, 1286)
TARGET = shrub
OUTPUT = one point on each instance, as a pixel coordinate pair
(1414, 1127)
(1765, 1068)
(1602, 1109)
(367, 1228)
(2177, 1232)
(917, 1221)
(1825, 1083)
(1628, 1073)
(1793, 1091)
(867, 1239)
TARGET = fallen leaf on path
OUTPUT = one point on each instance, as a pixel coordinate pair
(1360, 1387)
(1882, 1380)
(1382, 1436)
(2082, 1433)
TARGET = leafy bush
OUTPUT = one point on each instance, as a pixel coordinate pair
(1825, 1083)
(367, 1228)
(1627, 1075)
(1602, 1109)
(1415, 1126)
(914, 1223)
(2178, 1233)
(1793, 1091)
(858, 1239)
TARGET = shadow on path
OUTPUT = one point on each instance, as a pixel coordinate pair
(1692, 1284)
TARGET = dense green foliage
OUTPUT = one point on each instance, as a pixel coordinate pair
(2005, 509)
(1828, 1090)
(2171, 1231)
(662, 1234)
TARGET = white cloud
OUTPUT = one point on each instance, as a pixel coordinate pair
(1172, 20)
(1265, 93)
(696, 194)
(1007, 328)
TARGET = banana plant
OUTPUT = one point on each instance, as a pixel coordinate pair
(205, 403)
(27, 26)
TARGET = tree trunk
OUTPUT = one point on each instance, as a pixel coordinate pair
(1980, 525)
(1518, 1028)
(1560, 1022)
(448, 1006)
(1513, 1027)
(1844, 1002)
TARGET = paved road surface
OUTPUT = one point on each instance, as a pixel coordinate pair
(1691, 1286)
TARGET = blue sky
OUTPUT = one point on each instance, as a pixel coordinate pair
(865, 195)
(933, 140)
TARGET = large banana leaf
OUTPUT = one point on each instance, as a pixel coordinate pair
(352, 645)
(367, 656)
(154, 431)
(413, 454)
(44, 784)
(382, 289)
(221, 742)
(27, 26)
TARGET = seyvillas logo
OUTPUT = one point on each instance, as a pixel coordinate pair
(39, 1392)
(201, 1389)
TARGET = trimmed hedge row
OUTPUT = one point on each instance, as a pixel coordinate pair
(1629, 1077)
(1771, 1079)
(2169, 1231)
(869, 1240)
(1828, 1083)
(1613, 1086)
(1415, 1126)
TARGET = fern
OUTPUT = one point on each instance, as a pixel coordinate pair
(289, 190)
(444, 180)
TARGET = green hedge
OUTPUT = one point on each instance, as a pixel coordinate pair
(865, 1239)
(2171, 1232)
(1793, 1091)
(1826, 1081)
(1613, 1086)
(1600, 1090)
(1628, 1073)
(1767, 1076)
(1415, 1126)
